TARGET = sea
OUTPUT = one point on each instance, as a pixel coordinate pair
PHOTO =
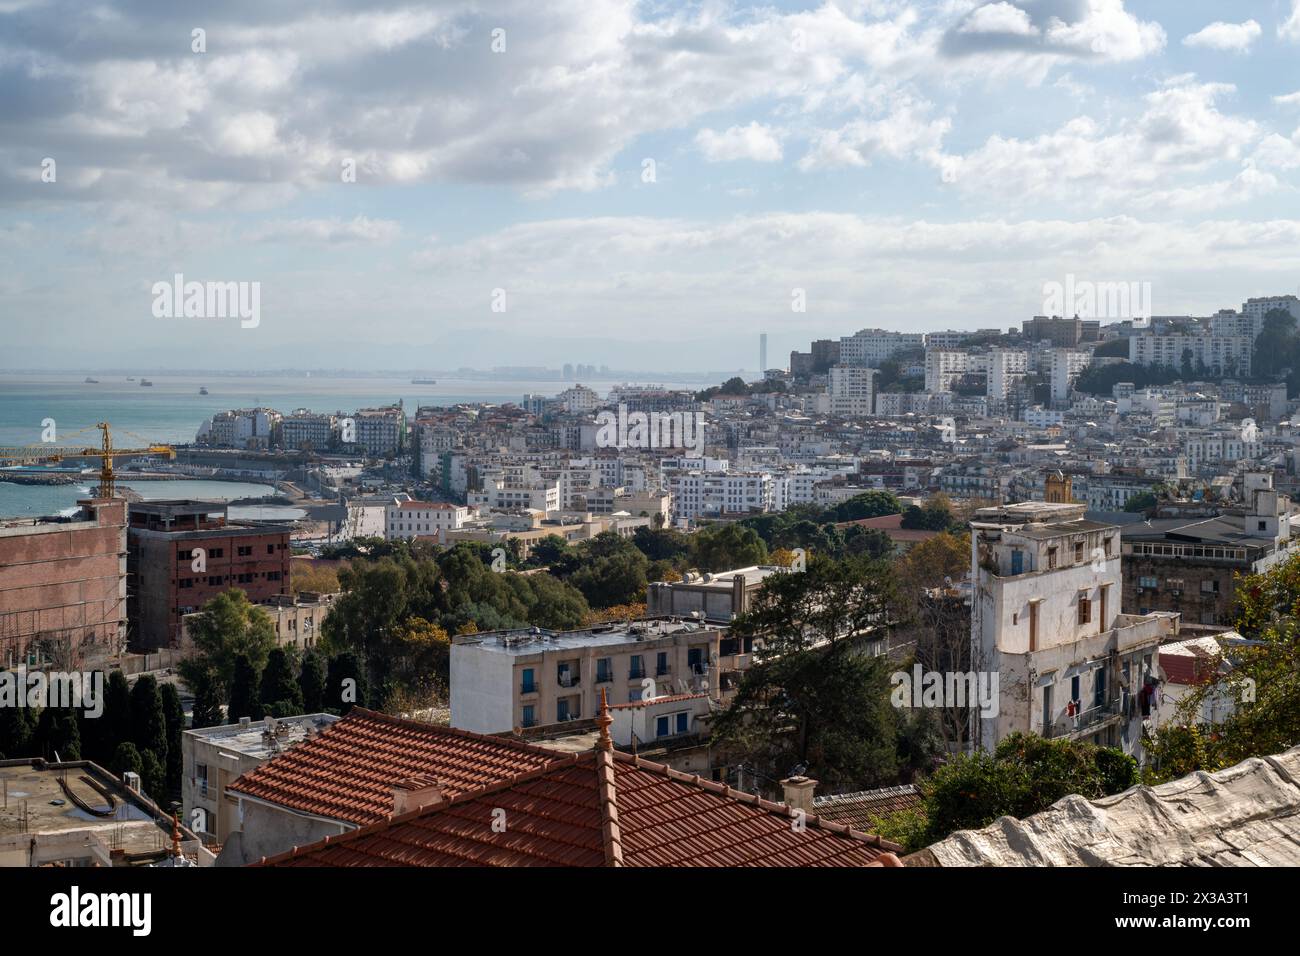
(171, 410)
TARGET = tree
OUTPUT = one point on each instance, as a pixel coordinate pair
(615, 579)
(1261, 689)
(311, 681)
(243, 700)
(207, 700)
(174, 716)
(153, 778)
(126, 759)
(935, 515)
(229, 626)
(306, 576)
(345, 686)
(148, 721)
(280, 694)
(17, 732)
(869, 504)
(1025, 775)
(1141, 502)
(117, 713)
(723, 547)
(96, 746)
(813, 697)
(57, 734)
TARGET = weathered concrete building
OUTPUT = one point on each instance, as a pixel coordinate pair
(181, 554)
(1045, 618)
(63, 588)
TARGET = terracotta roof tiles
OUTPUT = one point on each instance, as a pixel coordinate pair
(348, 771)
(598, 808)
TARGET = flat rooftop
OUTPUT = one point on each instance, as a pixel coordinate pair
(724, 580)
(524, 641)
(35, 793)
(256, 740)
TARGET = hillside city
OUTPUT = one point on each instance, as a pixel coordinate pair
(923, 599)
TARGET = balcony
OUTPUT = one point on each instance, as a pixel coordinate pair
(529, 687)
(1088, 721)
(567, 679)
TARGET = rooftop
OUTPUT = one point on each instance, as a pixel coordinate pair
(265, 738)
(861, 809)
(522, 641)
(1247, 815)
(598, 808)
(347, 771)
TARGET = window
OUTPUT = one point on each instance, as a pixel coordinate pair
(1151, 583)
(1209, 587)
(1085, 609)
(661, 663)
(186, 583)
(1051, 558)
(637, 668)
(1078, 553)
(217, 553)
(245, 550)
(661, 726)
(270, 549)
(604, 670)
(1074, 688)
(683, 722)
(527, 681)
(529, 717)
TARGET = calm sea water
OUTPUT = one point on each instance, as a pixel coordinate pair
(172, 410)
(18, 501)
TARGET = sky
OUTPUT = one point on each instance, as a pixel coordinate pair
(642, 185)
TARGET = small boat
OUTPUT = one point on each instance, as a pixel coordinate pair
(145, 381)
(203, 390)
(130, 379)
(91, 381)
(424, 381)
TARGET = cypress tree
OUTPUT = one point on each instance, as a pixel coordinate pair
(311, 681)
(174, 715)
(280, 690)
(344, 686)
(243, 692)
(148, 723)
(117, 713)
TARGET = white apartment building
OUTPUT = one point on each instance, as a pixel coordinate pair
(1220, 447)
(714, 493)
(421, 519)
(1045, 617)
(850, 388)
(870, 347)
(1229, 354)
(304, 429)
(943, 367)
(1040, 417)
(380, 432)
(579, 399)
(898, 404)
(1256, 309)
(501, 680)
(1066, 366)
(1006, 369)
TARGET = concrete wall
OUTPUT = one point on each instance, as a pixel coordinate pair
(268, 830)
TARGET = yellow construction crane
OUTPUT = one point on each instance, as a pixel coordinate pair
(105, 453)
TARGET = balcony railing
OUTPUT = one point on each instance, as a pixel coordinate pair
(528, 688)
(569, 680)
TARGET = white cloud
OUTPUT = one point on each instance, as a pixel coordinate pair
(905, 131)
(1229, 37)
(755, 142)
(999, 18)
(328, 231)
(1181, 134)
(1288, 99)
(1289, 29)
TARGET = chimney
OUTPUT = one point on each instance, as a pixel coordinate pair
(798, 793)
(415, 793)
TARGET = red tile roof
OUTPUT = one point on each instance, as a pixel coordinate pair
(598, 808)
(347, 772)
(667, 699)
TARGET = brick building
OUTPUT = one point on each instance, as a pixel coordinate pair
(63, 588)
(181, 554)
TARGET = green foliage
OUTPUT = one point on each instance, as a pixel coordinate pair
(813, 696)
(734, 386)
(230, 626)
(1262, 686)
(1102, 379)
(1139, 503)
(148, 722)
(58, 733)
(126, 759)
(934, 515)
(1025, 775)
(279, 688)
(153, 778)
(207, 700)
(311, 680)
(17, 732)
(345, 685)
(244, 700)
(117, 713)
(174, 715)
(721, 547)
